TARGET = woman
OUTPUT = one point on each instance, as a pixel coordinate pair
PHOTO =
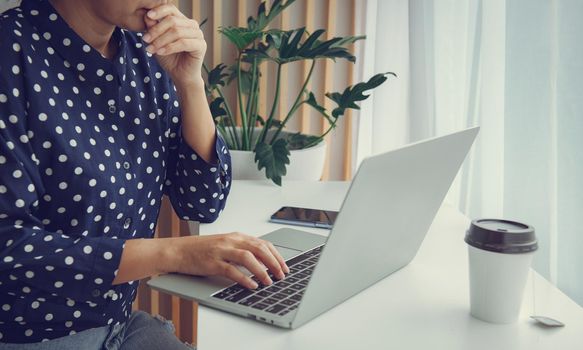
(96, 124)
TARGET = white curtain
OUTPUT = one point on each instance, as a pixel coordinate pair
(516, 69)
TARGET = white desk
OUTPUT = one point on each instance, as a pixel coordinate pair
(423, 306)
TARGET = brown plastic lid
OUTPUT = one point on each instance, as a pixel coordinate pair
(501, 236)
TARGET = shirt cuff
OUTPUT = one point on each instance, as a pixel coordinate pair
(104, 270)
(220, 170)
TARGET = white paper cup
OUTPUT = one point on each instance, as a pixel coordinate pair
(500, 254)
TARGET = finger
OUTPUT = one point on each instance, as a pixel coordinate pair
(278, 256)
(233, 273)
(171, 35)
(149, 22)
(166, 24)
(265, 255)
(196, 47)
(162, 11)
(246, 259)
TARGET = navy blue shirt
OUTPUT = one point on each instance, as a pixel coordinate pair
(88, 146)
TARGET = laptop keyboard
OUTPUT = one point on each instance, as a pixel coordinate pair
(282, 296)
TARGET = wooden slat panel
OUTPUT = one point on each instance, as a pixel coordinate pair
(196, 10)
(347, 165)
(217, 21)
(328, 81)
(282, 107)
(305, 109)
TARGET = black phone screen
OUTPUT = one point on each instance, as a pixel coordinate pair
(306, 215)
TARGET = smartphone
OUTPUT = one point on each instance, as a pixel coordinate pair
(305, 217)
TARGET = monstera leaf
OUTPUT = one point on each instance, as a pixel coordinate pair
(355, 93)
(263, 18)
(216, 76)
(274, 158)
(289, 47)
(240, 37)
(217, 110)
(243, 37)
(299, 141)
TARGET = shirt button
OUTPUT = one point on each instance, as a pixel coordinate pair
(112, 109)
(127, 223)
(95, 293)
(126, 165)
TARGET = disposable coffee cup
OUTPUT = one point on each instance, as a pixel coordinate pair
(500, 255)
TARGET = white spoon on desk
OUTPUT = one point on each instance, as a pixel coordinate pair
(547, 321)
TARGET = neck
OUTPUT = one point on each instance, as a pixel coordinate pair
(81, 17)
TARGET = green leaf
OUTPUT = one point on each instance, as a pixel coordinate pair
(243, 37)
(264, 18)
(216, 75)
(216, 109)
(273, 158)
(300, 141)
(355, 93)
(240, 37)
(289, 46)
(312, 102)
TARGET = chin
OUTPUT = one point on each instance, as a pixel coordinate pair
(135, 24)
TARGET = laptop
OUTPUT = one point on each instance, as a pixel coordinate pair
(384, 217)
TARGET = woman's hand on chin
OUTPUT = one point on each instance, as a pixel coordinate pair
(177, 43)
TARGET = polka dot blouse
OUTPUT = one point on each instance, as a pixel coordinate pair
(88, 146)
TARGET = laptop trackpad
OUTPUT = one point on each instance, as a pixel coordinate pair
(287, 253)
(290, 242)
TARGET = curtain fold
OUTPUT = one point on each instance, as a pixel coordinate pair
(515, 69)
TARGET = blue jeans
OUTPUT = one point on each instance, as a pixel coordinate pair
(141, 331)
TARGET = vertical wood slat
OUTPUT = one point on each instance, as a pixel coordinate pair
(347, 165)
(217, 8)
(304, 109)
(263, 79)
(281, 108)
(328, 81)
(241, 22)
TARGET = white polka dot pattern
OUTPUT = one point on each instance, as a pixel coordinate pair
(88, 146)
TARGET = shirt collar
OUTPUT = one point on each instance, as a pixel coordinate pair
(70, 46)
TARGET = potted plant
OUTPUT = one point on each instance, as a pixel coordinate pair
(265, 135)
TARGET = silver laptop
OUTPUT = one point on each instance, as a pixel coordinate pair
(384, 218)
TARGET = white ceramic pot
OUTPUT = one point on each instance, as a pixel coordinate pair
(305, 164)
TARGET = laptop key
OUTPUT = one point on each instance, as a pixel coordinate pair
(273, 289)
(289, 302)
(221, 295)
(280, 296)
(292, 279)
(284, 312)
(242, 294)
(260, 306)
(295, 260)
(288, 291)
(297, 287)
(275, 308)
(251, 300)
(270, 301)
(282, 283)
(264, 293)
(234, 289)
(296, 297)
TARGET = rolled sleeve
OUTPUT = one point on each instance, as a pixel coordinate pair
(198, 189)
